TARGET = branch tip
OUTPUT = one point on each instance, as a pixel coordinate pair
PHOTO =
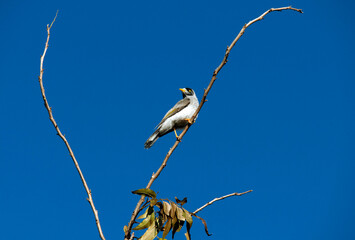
(221, 198)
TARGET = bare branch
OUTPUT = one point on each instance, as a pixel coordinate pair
(220, 198)
(203, 100)
(49, 109)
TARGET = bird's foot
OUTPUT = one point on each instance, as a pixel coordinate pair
(190, 121)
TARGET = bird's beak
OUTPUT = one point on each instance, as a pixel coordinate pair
(182, 89)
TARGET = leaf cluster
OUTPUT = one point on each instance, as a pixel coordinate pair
(163, 216)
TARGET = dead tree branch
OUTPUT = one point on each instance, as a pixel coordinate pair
(203, 100)
(59, 133)
(220, 198)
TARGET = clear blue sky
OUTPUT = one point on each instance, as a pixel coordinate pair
(279, 120)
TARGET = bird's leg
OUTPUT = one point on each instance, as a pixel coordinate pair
(176, 134)
(190, 121)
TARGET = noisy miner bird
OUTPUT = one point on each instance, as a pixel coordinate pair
(177, 117)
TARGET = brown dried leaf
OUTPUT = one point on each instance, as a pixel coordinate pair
(159, 205)
(174, 221)
(180, 214)
(187, 216)
(173, 210)
(160, 221)
(181, 224)
(188, 224)
(176, 228)
(166, 208)
(167, 227)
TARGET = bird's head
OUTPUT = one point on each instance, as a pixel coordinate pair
(187, 92)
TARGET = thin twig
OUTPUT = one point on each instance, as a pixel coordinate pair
(132, 236)
(220, 198)
(59, 133)
(203, 100)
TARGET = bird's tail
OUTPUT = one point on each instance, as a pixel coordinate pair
(152, 139)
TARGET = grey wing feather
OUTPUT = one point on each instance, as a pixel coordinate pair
(177, 108)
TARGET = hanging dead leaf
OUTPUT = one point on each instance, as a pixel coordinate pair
(173, 210)
(177, 227)
(180, 214)
(187, 216)
(167, 227)
(166, 208)
(188, 223)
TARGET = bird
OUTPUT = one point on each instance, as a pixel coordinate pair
(177, 117)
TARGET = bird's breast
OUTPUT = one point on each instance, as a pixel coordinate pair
(179, 119)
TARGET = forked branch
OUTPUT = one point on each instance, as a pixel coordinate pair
(203, 100)
(49, 109)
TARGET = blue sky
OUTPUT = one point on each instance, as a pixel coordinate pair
(279, 119)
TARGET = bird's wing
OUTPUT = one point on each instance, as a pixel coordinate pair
(177, 108)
